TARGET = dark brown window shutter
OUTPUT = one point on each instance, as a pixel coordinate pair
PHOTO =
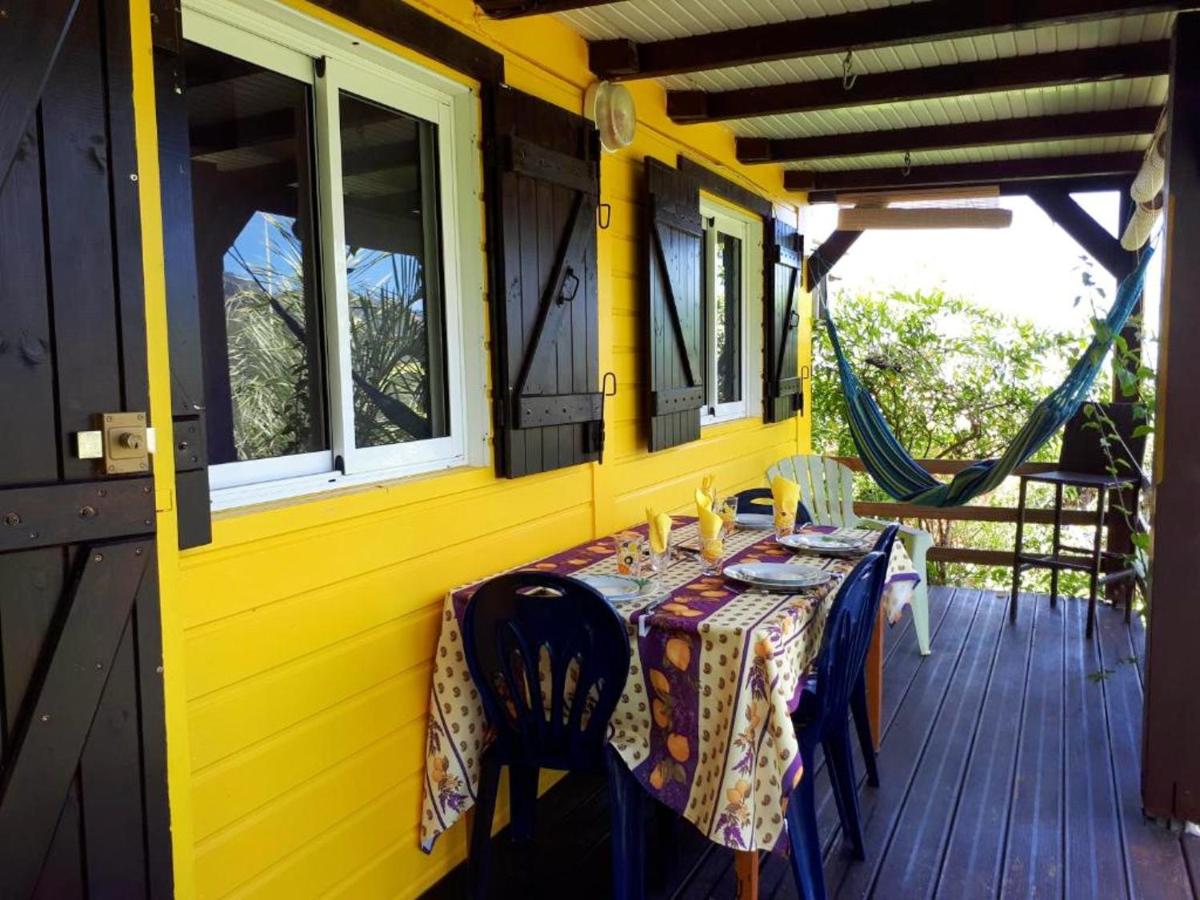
(183, 303)
(783, 388)
(544, 185)
(674, 305)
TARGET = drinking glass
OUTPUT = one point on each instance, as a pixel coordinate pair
(727, 510)
(712, 555)
(660, 561)
(629, 546)
(785, 520)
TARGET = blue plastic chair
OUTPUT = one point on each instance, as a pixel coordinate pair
(746, 504)
(858, 699)
(515, 627)
(823, 717)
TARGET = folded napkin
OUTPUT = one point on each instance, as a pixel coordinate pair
(712, 545)
(703, 500)
(659, 525)
(786, 495)
(708, 486)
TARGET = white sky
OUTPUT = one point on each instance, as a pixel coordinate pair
(1028, 269)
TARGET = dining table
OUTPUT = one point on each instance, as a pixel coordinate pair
(717, 666)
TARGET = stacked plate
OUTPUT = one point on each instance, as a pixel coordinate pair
(778, 576)
(826, 544)
(615, 588)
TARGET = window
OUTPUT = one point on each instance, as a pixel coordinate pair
(732, 300)
(328, 253)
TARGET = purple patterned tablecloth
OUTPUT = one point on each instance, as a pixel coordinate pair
(704, 721)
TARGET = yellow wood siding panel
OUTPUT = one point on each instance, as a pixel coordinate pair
(299, 644)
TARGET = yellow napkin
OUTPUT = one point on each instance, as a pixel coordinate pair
(708, 486)
(703, 500)
(710, 522)
(660, 529)
(786, 494)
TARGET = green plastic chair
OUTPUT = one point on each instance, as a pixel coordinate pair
(827, 489)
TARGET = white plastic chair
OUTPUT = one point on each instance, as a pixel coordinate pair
(827, 490)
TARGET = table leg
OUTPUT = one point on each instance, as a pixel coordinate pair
(875, 680)
(745, 868)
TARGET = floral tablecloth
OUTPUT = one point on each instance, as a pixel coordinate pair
(704, 721)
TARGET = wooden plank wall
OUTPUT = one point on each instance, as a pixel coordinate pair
(303, 634)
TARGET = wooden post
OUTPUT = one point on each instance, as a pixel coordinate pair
(1171, 731)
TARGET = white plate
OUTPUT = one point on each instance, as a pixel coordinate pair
(756, 521)
(778, 576)
(616, 587)
(821, 543)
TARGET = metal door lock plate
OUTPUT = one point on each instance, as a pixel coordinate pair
(126, 443)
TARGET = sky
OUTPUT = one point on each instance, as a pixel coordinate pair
(1029, 268)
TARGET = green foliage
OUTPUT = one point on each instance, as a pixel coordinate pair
(956, 380)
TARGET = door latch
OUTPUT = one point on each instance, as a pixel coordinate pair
(122, 441)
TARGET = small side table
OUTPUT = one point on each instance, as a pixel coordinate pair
(1073, 558)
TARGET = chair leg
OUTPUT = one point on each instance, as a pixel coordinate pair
(628, 856)
(805, 841)
(862, 724)
(917, 545)
(1056, 547)
(1018, 547)
(479, 864)
(1096, 558)
(840, 759)
(522, 802)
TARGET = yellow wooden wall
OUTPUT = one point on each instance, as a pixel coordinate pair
(298, 644)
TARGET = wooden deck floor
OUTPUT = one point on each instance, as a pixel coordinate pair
(1009, 768)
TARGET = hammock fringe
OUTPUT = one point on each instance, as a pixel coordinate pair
(904, 479)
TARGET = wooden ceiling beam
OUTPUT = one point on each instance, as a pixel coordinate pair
(873, 28)
(1024, 170)
(1012, 73)
(512, 9)
(996, 132)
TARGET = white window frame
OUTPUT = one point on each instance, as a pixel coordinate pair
(747, 229)
(284, 40)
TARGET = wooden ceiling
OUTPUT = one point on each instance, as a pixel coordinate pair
(851, 97)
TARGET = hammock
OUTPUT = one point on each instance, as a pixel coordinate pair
(903, 478)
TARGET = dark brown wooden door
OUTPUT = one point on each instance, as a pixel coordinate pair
(83, 803)
(544, 185)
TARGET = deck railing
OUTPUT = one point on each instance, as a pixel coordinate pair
(971, 513)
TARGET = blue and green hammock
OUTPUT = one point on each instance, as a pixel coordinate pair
(894, 469)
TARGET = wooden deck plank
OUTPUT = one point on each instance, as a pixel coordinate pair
(1091, 819)
(1154, 855)
(1033, 853)
(971, 864)
(907, 738)
(911, 862)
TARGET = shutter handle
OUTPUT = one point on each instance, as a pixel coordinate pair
(794, 320)
(570, 287)
(604, 216)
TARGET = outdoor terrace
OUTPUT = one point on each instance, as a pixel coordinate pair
(1010, 767)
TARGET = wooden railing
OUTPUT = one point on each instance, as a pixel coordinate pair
(970, 513)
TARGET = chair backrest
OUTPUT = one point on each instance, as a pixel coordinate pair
(550, 658)
(848, 630)
(1081, 450)
(748, 501)
(826, 487)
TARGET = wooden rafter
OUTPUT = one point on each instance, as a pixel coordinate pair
(1025, 170)
(1087, 232)
(885, 27)
(1108, 123)
(1013, 73)
(511, 9)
